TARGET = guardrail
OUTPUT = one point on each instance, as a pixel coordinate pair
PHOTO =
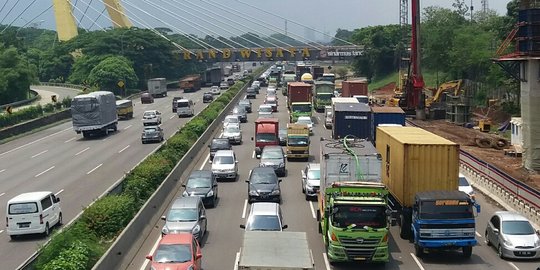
(21, 102)
(508, 190)
(64, 85)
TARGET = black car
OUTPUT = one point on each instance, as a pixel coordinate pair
(282, 136)
(202, 184)
(219, 144)
(251, 92)
(208, 97)
(241, 112)
(263, 185)
(230, 81)
(246, 103)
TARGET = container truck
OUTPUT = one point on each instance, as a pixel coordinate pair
(227, 71)
(94, 113)
(353, 203)
(351, 119)
(317, 72)
(421, 172)
(324, 91)
(297, 141)
(275, 251)
(286, 79)
(299, 100)
(266, 133)
(157, 87)
(191, 83)
(352, 88)
(212, 76)
(383, 116)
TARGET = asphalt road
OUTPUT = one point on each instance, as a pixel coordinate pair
(79, 170)
(224, 238)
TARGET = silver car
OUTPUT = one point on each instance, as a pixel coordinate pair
(274, 157)
(224, 165)
(311, 180)
(187, 214)
(513, 236)
(233, 133)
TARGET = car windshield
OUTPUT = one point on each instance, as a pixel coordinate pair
(263, 223)
(244, 103)
(232, 129)
(182, 214)
(282, 132)
(298, 141)
(173, 253)
(304, 121)
(446, 209)
(463, 182)
(152, 129)
(199, 182)
(231, 120)
(182, 104)
(239, 110)
(149, 114)
(314, 174)
(262, 177)
(223, 160)
(266, 137)
(517, 227)
(272, 154)
(359, 216)
(265, 109)
(301, 108)
(220, 144)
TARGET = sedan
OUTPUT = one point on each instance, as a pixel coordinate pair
(224, 86)
(233, 133)
(202, 184)
(465, 186)
(241, 112)
(273, 156)
(231, 119)
(208, 97)
(151, 117)
(306, 120)
(246, 103)
(187, 214)
(265, 111)
(513, 236)
(263, 185)
(282, 136)
(177, 251)
(215, 90)
(152, 134)
(311, 180)
(251, 93)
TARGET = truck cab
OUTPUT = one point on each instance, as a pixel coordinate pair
(324, 92)
(266, 133)
(300, 109)
(297, 141)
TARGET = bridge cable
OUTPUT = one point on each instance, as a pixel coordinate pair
(297, 23)
(147, 25)
(248, 33)
(29, 22)
(94, 9)
(3, 6)
(85, 10)
(232, 26)
(9, 11)
(253, 19)
(204, 27)
(18, 16)
(100, 14)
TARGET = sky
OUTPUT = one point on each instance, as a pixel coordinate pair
(196, 17)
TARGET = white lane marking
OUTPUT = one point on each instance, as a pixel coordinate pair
(197, 100)
(58, 193)
(312, 210)
(205, 161)
(127, 127)
(1, 231)
(92, 170)
(253, 154)
(37, 175)
(123, 149)
(70, 139)
(318, 118)
(82, 151)
(245, 208)
(326, 263)
(145, 263)
(30, 143)
(3, 170)
(417, 262)
(477, 234)
(172, 116)
(513, 265)
(42, 152)
(2, 194)
(237, 259)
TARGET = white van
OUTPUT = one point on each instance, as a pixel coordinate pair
(185, 107)
(33, 212)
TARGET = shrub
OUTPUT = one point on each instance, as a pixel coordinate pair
(109, 215)
(73, 258)
(66, 102)
(154, 169)
(137, 188)
(48, 108)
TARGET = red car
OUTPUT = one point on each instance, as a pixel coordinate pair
(177, 251)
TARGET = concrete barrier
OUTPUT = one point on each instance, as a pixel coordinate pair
(122, 251)
(22, 102)
(33, 124)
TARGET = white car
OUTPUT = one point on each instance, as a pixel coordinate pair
(215, 90)
(465, 186)
(224, 165)
(265, 110)
(306, 120)
(151, 118)
(231, 119)
(233, 133)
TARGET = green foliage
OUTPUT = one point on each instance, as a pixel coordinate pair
(66, 102)
(154, 169)
(73, 258)
(83, 66)
(110, 71)
(341, 72)
(138, 188)
(108, 216)
(16, 75)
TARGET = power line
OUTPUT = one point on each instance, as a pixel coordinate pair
(85, 10)
(94, 22)
(3, 6)
(9, 11)
(84, 14)
(36, 17)
(18, 16)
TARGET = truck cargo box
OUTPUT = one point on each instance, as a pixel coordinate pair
(93, 110)
(385, 115)
(275, 251)
(356, 87)
(351, 119)
(157, 87)
(416, 160)
(340, 165)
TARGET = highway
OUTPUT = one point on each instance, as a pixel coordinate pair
(79, 170)
(224, 238)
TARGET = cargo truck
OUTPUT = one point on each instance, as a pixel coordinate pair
(275, 251)
(351, 119)
(191, 83)
(157, 87)
(299, 100)
(324, 91)
(297, 141)
(353, 203)
(385, 116)
(352, 88)
(287, 77)
(317, 72)
(94, 113)
(212, 76)
(421, 172)
(266, 133)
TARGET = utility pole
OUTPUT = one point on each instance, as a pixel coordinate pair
(472, 10)
(286, 32)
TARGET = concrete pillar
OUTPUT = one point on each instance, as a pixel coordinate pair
(65, 23)
(117, 14)
(530, 113)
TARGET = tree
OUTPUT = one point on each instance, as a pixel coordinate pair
(110, 71)
(342, 72)
(16, 75)
(83, 66)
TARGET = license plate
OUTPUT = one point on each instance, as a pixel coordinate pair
(24, 225)
(359, 259)
(524, 253)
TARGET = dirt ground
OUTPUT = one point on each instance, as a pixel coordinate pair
(465, 137)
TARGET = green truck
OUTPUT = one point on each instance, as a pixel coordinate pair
(299, 100)
(353, 203)
(324, 91)
(286, 78)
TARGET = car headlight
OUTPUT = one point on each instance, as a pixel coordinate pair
(275, 192)
(282, 164)
(210, 193)
(253, 193)
(196, 229)
(507, 241)
(308, 186)
(537, 242)
(185, 194)
(165, 230)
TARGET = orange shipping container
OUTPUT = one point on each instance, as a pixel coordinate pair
(415, 160)
(352, 88)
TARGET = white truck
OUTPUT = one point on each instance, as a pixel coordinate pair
(157, 87)
(271, 250)
(94, 113)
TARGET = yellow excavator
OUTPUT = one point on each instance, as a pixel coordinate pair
(453, 88)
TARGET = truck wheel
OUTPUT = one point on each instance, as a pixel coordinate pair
(318, 215)
(320, 228)
(85, 134)
(106, 131)
(467, 252)
(418, 251)
(115, 127)
(405, 227)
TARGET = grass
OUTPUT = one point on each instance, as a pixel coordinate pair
(430, 79)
